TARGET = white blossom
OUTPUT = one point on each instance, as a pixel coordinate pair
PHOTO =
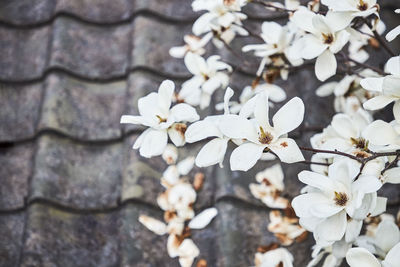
(163, 121)
(324, 208)
(356, 8)
(193, 44)
(208, 76)
(273, 258)
(325, 37)
(388, 87)
(390, 36)
(260, 135)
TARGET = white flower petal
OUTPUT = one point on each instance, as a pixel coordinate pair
(287, 150)
(393, 66)
(289, 117)
(316, 180)
(165, 93)
(392, 258)
(212, 153)
(378, 102)
(326, 89)
(390, 36)
(344, 126)
(184, 112)
(245, 156)
(357, 257)
(312, 47)
(131, 119)
(392, 175)
(185, 166)
(333, 228)
(237, 127)
(203, 218)
(177, 134)
(153, 143)
(154, 225)
(302, 204)
(201, 130)
(387, 235)
(372, 84)
(325, 66)
(261, 110)
(380, 133)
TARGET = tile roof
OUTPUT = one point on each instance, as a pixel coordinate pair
(71, 186)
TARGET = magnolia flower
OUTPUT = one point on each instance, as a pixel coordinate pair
(272, 258)
(384, 238)
(324, 208)
(277, 40)
(260, 135)
(275, 94)
(362, 257)
(388, 87)
(163, 121)
(208, 77)
(357, 8)
(325, 38)
(269, 187)
(223, 18)
(170, 154)
(214, 151)
(390, 36)
(285, 229)
(382, 135)
(193, 44)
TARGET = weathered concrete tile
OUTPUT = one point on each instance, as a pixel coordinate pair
(152, 40)
(20, 108)
(82, 176)
(98, 11)
(176, 9)
(139, 246)
(90, 51)
(11, 231)
(16, 162)
(59, 238)
(240, 230)
(26, 12)
(23, 52)
(85, 110)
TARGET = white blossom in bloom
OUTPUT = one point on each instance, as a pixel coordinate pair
(214, 151)
(286, 229)
(362, 257)
(223, 18)
(383, 239)
(193, 44)
(163, 121)
(288, 4)
(208, 76)
(325, 37)
(260, 134)
(275, 93)
(269, 187)
(272, 258)
(324, 208)
(390, 36)
(382, 135)
(357, 8)
(388, 87)
(277, 40)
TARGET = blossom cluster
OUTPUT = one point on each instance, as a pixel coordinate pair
(353, 156)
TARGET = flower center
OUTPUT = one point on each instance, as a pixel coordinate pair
(340, 199)
(328, 38)
(264, 137)
(360, 143)
(161, 119)
(362, 5)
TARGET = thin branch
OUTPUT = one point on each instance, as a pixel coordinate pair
(313, 150)
(379, 38)
(391, 164)
(314, 163)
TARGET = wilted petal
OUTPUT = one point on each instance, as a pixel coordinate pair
(173, 244)
(177, 133)
(287, 150)
(154, 225)
(170, 154)
(357, 257)
(203, 218)
(289, 117)
(153, 143)
(212, 153)
(325, 66)
(245, 156)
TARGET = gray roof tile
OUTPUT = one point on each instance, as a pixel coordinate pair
(77, 175)
(76, 47)
(20, 108)
(84, 110)
(16, 168)
(11, 231)
(58, 238)
(25, 12)
(23, 52)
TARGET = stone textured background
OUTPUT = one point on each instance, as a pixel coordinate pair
(71, 187)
